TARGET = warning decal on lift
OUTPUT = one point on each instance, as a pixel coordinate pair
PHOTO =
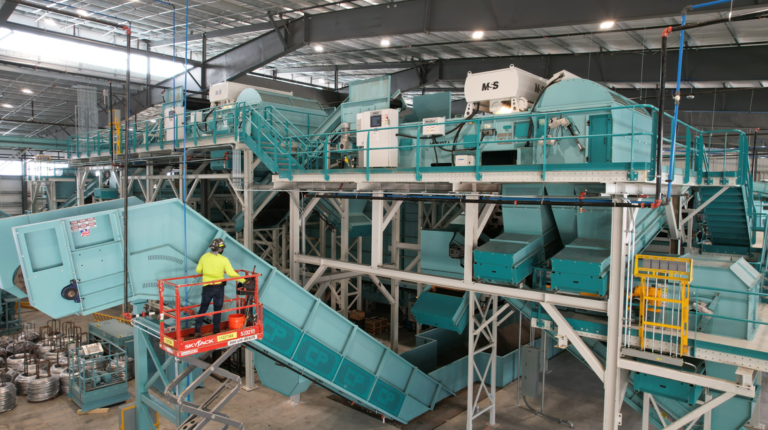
(241, 340)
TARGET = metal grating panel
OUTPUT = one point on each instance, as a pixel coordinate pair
(307, 104)
(274, 98)
(354, 379)
(279, 335)
(387, 398)
(166, 258)
(317, 357)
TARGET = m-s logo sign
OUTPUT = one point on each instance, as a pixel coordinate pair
(490, 86)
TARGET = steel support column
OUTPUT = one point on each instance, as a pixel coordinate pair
(619, 248)
(248, 199)
(294, 230)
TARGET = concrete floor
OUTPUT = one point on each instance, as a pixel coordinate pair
(572, 393)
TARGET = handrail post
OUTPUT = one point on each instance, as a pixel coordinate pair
(325, 156)
(478, 175)
(215, 114)
(368, 156)
(654, 139)
(687, 175)
(418, 154)
(632, 176)
(544, 149)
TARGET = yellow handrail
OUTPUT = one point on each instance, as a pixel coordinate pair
(104, 317)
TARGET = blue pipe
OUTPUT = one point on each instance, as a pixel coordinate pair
(677, 90)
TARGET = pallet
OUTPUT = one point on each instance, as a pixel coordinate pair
(376, 325)
(356, 315)
(94, 411)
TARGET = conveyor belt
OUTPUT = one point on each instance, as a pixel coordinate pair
(299, 330)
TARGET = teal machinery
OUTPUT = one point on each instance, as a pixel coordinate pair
(66, 273)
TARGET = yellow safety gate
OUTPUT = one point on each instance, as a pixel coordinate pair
(664, 294)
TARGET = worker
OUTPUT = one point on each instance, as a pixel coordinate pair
(213, 266)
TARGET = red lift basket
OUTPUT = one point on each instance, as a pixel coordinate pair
(176, 340)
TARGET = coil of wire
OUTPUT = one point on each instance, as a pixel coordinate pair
(30, 335)
(21, 347)
(43, 388)
(22, 381)
(15, 360)
(64, 382)
(51, 357)
(113, 367)
(42, 350)
(7, 395)
(10, 372)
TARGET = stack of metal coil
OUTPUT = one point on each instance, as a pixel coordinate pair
(56, 369)
(22, 381)
(21, 347)
(43, 349)
(64, 382)
(114, 365)
(43, 388)
(7, 394)
(10, 372)
(15, 360)
(30, 335)
(51, 356)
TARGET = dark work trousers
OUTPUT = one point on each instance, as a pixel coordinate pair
(213, 292)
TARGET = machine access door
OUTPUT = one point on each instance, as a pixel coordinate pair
(86, 251)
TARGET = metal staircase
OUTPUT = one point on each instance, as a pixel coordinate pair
(280, 145)
(729, 218)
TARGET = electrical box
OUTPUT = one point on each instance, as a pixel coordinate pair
(465, 160)
(531, 364)
(433, 126)
(173, 123)
(222, 160)
(370, 136)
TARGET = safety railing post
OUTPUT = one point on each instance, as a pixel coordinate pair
(632, 175)
(368, 156)
(215, 114)
(687, 175)
(654, 139)
(418, 154)
(478, 175)
(544, 149)
(325, 157)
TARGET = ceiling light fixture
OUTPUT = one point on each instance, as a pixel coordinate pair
(82, 12)
(478, 35)
(385, 42)
(27, 91)
(605, 25)
(49, 21)
(318, 48)
(7, 106)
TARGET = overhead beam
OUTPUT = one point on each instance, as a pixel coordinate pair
(6, 10)
(89, 42)
(213, 34)
(702, 65)
(343, 67)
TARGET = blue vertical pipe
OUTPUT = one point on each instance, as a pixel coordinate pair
(673, 134)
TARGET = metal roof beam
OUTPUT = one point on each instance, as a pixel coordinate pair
(700, 65)
(418, 16)
(91, 42)
(216, 33)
